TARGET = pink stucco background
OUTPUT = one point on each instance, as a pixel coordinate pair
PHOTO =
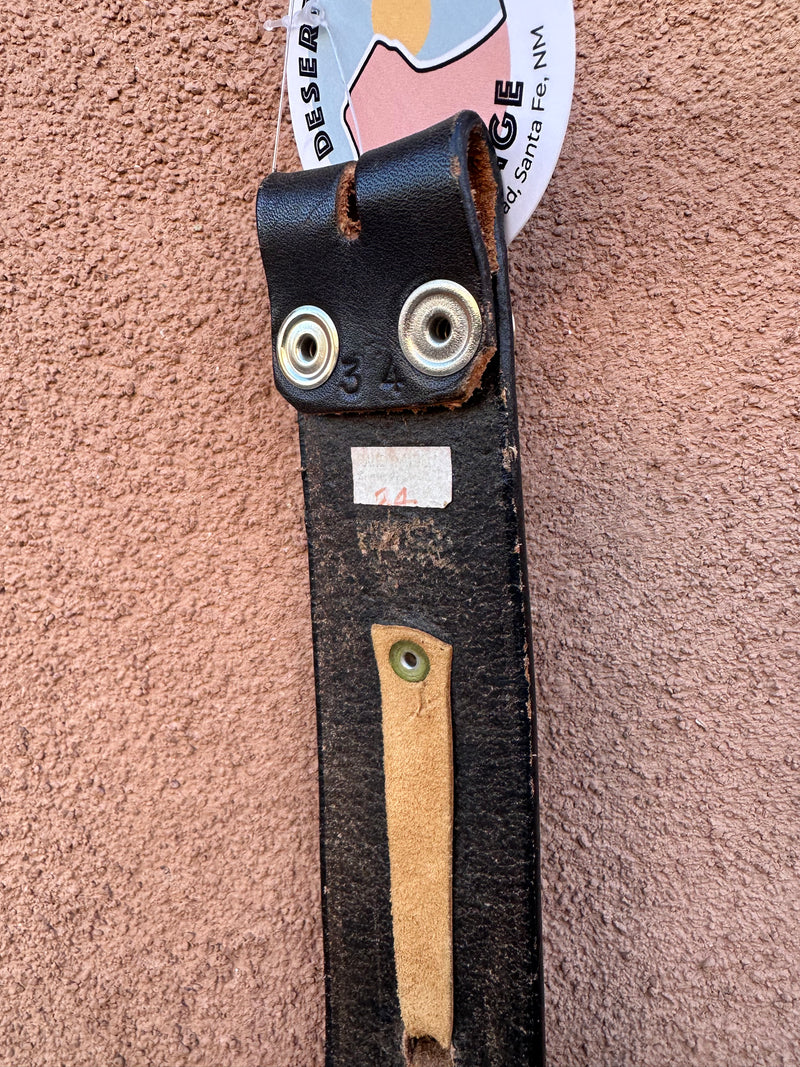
(159, 896)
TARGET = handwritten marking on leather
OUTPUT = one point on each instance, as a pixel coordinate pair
(418, 769)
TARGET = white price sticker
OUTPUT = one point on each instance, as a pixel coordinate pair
(408, 476)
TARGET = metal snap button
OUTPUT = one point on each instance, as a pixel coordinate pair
(308, 347)
(440, 327)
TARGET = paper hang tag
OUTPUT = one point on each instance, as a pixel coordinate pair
(361, 75)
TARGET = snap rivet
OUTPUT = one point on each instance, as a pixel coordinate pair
(440, 327)
(409, 661)
(308, 347)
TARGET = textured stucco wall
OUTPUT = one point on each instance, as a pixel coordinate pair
(159, 898)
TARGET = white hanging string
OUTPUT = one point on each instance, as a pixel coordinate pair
(273, 24)
(313, 15)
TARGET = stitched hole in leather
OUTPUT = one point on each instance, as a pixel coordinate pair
(484, 190)
(347, 217)
(426, 1052)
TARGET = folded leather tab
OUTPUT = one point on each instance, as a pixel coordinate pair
(356, 241)
(404, 563)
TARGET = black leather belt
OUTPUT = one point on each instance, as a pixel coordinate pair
(392, 331)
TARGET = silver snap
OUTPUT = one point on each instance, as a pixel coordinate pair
(308, 347)
(440, 327)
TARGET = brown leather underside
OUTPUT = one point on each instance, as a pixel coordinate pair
(418, 767)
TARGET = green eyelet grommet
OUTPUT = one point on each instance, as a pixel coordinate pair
(409, 661)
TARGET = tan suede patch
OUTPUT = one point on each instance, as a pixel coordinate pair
(418, 768)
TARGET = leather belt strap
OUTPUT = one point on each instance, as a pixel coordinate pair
(442, 586)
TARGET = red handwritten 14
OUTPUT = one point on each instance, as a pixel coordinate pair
(401, 500)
